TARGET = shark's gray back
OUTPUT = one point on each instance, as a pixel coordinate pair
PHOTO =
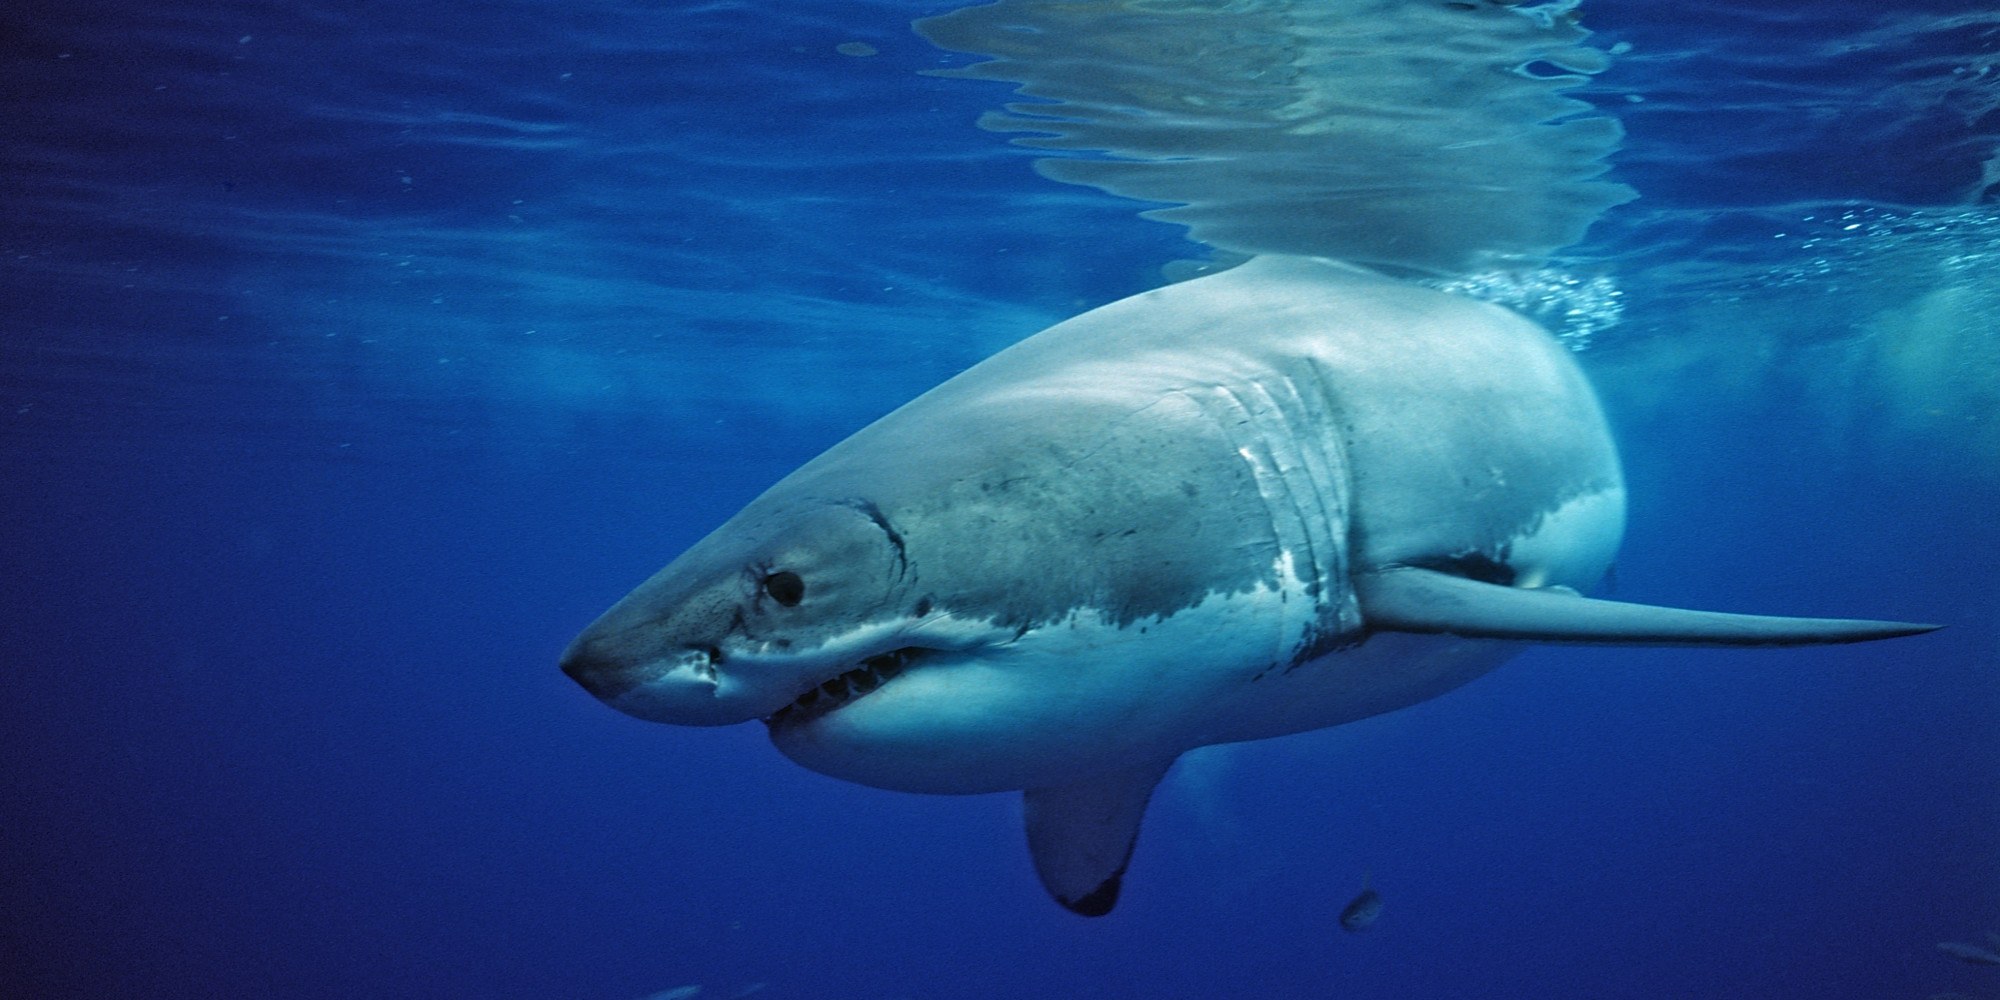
(1288, 405)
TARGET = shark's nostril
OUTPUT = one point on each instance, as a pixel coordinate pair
(702, 661)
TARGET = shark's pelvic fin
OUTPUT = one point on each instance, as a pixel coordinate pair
(1407, 599)
(1081, 835)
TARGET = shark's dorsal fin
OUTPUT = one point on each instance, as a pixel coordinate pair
(1081, 835)
(1407, 599)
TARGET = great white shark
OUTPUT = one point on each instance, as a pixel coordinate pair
(1288, 496)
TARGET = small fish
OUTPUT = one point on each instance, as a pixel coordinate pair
(1963, 952)
(1360, 914)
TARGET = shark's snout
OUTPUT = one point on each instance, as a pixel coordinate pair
(605, 675)
(680, 685)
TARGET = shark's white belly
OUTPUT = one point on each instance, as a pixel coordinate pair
(1078, 695)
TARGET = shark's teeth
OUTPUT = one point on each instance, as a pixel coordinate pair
(871, 674)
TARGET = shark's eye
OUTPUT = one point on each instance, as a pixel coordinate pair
(785, 587)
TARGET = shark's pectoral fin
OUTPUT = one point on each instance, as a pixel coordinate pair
(1081, 835)
(1407, 599)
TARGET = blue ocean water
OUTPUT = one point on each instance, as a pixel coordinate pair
(357, 355)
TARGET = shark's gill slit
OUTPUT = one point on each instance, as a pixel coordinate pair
(873, 672)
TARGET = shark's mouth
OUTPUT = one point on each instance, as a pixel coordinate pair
(860, 682)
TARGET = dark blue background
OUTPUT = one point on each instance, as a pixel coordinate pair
(356, 357)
